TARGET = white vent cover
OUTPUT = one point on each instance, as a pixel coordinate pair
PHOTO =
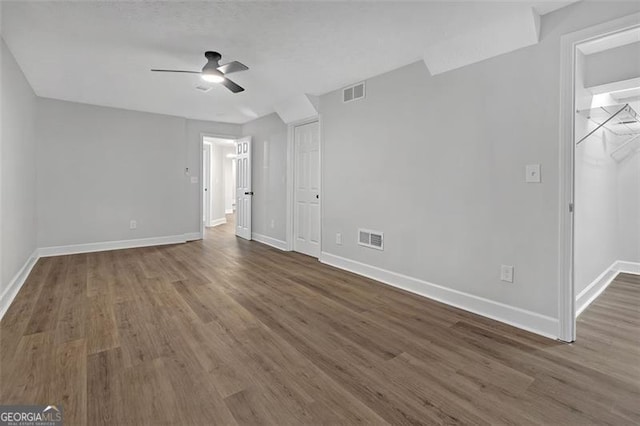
(353, 93)
(204, 89)
(371, 239)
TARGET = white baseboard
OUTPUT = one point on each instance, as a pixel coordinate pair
(521, 318)
(217, 222)
(628, 267)
(192, 236)
(600, 284)
(16, 283)
(111, 245)
(273, 242)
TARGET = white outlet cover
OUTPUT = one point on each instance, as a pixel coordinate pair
(339, 238)
(532, 173)
(194, 179)
(506, 273)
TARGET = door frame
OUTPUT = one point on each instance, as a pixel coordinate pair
(566, 287)
(290, 178)
(201, 173)
(206, 174)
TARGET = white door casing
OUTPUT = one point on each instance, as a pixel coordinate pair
(206, 184)
(307, 189)
(244, 191)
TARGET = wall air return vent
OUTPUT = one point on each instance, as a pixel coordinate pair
(353, 93)
(371, 239)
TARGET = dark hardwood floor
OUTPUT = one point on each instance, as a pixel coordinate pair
(226, 331)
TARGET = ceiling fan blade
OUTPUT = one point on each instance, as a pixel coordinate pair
(189, 72)
(234, 66)
(231, 86)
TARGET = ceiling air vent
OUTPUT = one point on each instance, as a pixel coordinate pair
(203, 89)
(353, 93)
(371, 239)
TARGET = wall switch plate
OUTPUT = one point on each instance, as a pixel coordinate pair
(506, 273)
(194, 179)
(133, 224)
(532, 172)
(339, 239)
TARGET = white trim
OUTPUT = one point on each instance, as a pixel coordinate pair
(16, 283)
(600, 284)
(192, 236)
(593, 290)
(521, 318)
(111, 245)
(270, 241)
(628, 267)
(217, 222)
(566, 147)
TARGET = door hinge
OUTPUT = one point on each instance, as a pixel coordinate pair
(570, 207)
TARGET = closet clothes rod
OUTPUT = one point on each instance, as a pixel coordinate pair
(602, 124)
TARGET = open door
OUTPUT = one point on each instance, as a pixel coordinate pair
(243, 188)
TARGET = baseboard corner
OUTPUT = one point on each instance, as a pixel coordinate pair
(17, 282)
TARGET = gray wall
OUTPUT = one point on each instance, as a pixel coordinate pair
(100, 167)
(437, 163)
(18, 169)
(629, 208)
(621, 63)
(229, 178)
(217, 181)
(269, 136)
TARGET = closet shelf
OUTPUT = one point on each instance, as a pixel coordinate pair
(621, 120)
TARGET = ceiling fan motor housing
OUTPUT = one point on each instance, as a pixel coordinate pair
(212, 64)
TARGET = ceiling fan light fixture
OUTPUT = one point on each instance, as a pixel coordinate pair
(212, 77)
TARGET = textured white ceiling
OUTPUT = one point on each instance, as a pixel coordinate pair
(101, 52)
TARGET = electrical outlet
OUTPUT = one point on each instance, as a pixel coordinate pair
(339, 239)
(532, 173)
(133, 224)
(506, 273)
(273, 223)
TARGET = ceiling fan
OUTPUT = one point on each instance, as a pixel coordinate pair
(213, 72)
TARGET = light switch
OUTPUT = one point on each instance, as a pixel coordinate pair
(506, 273)
(194, 179)
(532, 173)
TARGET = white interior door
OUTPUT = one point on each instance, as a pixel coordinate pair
(243, 188)
(307, 189)
(206, 184)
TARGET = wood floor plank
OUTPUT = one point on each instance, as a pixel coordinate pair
(69, 381)
(105, 405)
(228, 331)
(72, 315)
(102, 330)
(48, 304)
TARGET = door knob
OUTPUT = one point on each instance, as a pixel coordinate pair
(317, 196)
(248, 193)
